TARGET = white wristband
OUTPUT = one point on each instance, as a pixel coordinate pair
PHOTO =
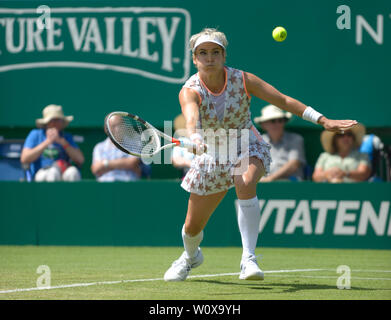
(196, 136)
(312, 115)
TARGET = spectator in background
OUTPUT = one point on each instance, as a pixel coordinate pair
(375, 149)
(111, 164)
(287, 149)
(342, 161)
(49, 150)
(181, 158)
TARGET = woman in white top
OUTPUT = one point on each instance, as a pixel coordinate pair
(218, 97)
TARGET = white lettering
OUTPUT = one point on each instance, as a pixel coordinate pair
(110, 37)
(126, 34)
(146, 37)
(281, 213)
(281, 206)
(45, 10)
(389, 228)
(344, 21)
(343, 281)
(33, 36)
(376, 35)
(168, 153)
(93, 36)
(301, 218)
(2, 22)
(149, 137)
(9, 35)
(368, 214)
(323, 206)
(236, 309)
(44, 280)
(166, 310)
(244, 145)
(167, 39)
(344, 216)
(77, 37)
(52, 33)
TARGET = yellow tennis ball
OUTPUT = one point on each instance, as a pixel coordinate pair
(279, 34)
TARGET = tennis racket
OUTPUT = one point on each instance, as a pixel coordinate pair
(135, 136)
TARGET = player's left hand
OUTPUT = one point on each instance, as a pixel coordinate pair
(337, 125)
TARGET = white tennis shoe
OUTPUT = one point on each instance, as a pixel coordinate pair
(180, 268)
(249, 269)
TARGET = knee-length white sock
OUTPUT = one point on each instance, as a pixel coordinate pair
(191, 244)
(249, 217)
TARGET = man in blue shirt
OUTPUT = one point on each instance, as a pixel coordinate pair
(49, 150)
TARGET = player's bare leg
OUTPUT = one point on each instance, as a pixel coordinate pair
(200, 208)
(246, 183)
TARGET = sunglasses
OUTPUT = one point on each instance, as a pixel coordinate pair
(349, 134)
(280, 120)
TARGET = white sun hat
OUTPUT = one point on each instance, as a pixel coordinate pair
(271, 112)
(327, 137)
(50, 112)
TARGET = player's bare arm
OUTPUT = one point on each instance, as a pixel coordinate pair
(263, 90)
(189, 101)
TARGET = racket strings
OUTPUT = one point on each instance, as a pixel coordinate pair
(133, 135)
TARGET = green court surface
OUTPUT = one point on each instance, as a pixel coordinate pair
(135, 273)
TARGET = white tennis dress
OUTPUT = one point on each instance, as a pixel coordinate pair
(228, 110)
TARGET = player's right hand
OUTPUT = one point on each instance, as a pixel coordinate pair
(195, 146)
(201, 147)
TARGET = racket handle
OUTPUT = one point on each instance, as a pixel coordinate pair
(186, 143)
(191, 146)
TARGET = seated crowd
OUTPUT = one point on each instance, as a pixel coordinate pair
(51, 154)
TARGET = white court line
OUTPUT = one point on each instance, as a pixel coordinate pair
(369, 271)
(200, 276)
(143, 280)
(362, 270)
(329, 277)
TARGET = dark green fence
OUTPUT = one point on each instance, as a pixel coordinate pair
(151, 213)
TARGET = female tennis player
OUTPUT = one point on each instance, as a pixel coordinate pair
(218, 97)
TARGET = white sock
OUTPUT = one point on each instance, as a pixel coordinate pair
(249, 217)
(191, 244)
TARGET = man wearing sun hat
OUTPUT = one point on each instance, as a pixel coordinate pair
(342, 161)
(49, 150)
(287, 148)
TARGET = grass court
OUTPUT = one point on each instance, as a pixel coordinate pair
(135, 273)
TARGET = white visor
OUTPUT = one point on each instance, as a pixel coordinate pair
(206, 38)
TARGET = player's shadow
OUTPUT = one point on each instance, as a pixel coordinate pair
(289, 287)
